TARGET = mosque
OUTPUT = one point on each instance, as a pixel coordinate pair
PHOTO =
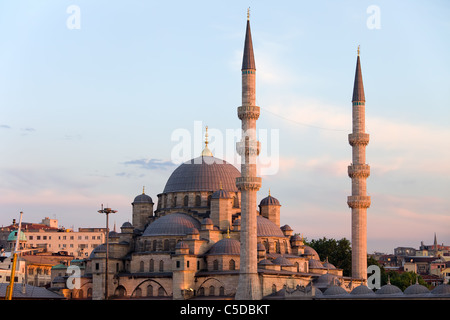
(207, 236)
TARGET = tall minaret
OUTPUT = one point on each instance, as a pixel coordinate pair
(248, 183)
(359, 171)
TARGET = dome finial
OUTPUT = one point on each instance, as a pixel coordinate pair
(206, 152)
(269, 192)
(143, 189)
(248, 13)
(358, 50)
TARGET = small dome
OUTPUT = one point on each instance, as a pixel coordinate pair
(389, 289)
(286, 228)
(270, 201)
(143, 198)
(267, 228)
(361, 289)
(265, 262)
(261, 247)
(207, 221)
(311, 252)
(325, 279)
(126, 225)
(315, 264)
(441, 289)
(13, 236)
(328, 265)
(221, 194)
(178, 224)
(416, 289)
(226, 246)
(282, 261)
(296, 237)
(334, 290)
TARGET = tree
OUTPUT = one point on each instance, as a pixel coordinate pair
(338, 252)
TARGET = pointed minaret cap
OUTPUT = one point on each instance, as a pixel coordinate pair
(358, 88)
(248, 61)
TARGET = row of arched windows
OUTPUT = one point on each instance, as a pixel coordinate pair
(151, 267)
(185, 201)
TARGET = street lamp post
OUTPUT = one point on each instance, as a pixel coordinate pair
(106, 211)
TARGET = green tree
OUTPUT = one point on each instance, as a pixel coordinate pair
(338, 252)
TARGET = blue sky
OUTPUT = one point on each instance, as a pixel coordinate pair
(87, 115)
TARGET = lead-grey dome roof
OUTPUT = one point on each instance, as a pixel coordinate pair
(226, 246)
(143, 198)
(266, 228)
(174, 224)
(203, 174)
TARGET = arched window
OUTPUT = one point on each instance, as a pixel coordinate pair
(277, 247)
(149, 290)
(152, 265)
(297, 265)
(201, 291)
(211, 291)
(161, 266)
(155, 243)
(141, 266)
(166, 245)
(186, 201)
(209, 201)
(198, 201)
(174, 201)
(274, 288)
(236, 202)
(215, 265)
(222, 291)
(160, 292)
(232, 265)
(138, 293)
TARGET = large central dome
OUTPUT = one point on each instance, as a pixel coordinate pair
(205, 173)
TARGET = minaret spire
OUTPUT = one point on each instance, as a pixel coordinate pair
(249, 287)
(359, 171)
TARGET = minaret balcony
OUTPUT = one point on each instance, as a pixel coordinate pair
(358, 202)
(248, 183)
(359, 171)
(248, 112)
(358, 139)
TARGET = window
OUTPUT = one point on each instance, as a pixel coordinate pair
(178, 264)
(186, 201)
(198, 201)
(232, 265)
(215, 265)
(161, 266)
(152, 265)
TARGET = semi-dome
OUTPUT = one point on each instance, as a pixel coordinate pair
(203, 174)
(174, 224)
(266, 228)
(226, 246)
(311, 252)
(282, 261)
(143, 198)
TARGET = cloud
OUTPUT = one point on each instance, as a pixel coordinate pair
(4, 126)
(150, 164)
